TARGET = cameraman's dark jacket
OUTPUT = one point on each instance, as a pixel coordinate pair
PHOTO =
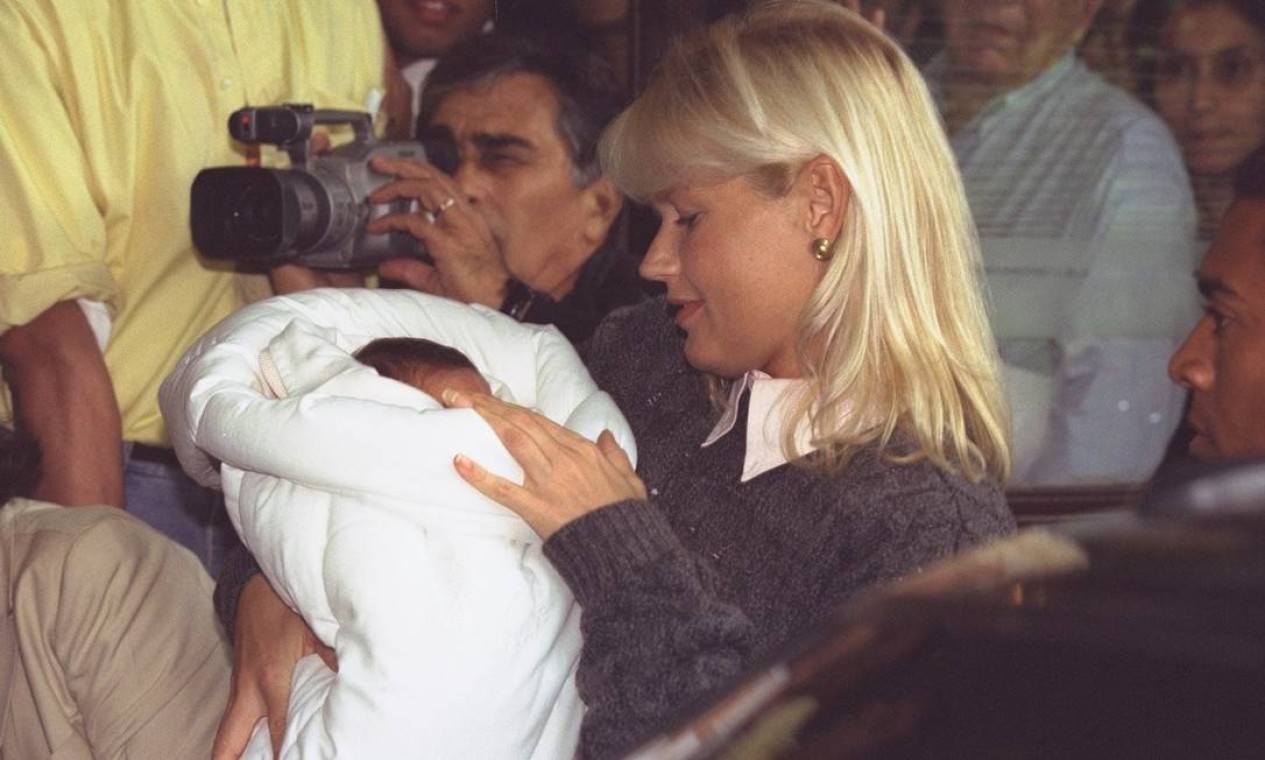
(607, 281)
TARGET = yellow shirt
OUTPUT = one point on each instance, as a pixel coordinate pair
(108, 109)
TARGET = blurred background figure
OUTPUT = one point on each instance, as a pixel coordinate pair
(1087, 223)
(1201, 63)
(420, 32)
(1107, 47)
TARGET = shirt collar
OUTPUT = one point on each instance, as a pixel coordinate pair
(937, 70)
(766, 415)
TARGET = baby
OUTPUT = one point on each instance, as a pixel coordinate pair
(453, 633)
(424, 364)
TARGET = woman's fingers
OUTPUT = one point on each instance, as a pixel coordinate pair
(565, 475)
(618, 458)
(522, 430)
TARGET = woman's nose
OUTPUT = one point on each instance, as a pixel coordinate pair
(661, 260)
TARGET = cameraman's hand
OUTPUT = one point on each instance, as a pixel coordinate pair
(468, 265)
(270, 639)
(291, 278)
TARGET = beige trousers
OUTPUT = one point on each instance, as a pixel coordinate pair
(110, 647)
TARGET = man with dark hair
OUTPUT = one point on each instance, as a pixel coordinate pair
(1222, 362)
(522, 222)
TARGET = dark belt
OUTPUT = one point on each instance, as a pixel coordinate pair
(143, 452)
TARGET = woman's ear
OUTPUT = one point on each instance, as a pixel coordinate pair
(828, 193)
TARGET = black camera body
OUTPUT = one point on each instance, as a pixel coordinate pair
(313, 213)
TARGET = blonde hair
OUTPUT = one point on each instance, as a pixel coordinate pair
(896, 330)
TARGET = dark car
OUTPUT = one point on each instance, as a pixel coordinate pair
(1140, 635)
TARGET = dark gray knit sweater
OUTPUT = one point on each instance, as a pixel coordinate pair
(680, 592)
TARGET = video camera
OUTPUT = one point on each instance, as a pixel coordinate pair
(313, 213)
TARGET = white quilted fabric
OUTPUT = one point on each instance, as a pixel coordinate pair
(455, 638)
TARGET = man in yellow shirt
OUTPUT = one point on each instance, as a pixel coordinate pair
(108, 109)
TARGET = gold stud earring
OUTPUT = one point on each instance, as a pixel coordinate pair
(821, 249)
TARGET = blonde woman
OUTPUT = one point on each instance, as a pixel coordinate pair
(817, 408)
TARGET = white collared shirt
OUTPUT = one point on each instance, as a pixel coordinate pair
(766, 415)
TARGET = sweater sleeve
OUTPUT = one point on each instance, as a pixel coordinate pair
(657, 636)
(239, 567)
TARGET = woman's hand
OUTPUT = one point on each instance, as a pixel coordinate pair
(468, 264)
(270, 639)
(565, 475)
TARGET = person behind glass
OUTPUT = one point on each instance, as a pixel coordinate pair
(820, 262)
(1203, 65)
(423, 364)
(1222, 362)
(1087, 225)
(1107, 48)
(522, 223)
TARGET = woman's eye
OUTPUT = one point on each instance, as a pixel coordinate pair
(687, 220)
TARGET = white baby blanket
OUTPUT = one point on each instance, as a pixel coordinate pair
(455, 637)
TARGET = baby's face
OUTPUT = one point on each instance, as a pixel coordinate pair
(464, 380)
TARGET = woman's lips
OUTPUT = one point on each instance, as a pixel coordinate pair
(684, 310)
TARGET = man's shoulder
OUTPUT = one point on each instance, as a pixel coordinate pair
(89, 539)
(87, 529)
(1095, 102)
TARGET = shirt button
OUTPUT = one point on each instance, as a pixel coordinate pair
(226, 83)
(1123, 405)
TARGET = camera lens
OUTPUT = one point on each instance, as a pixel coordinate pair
(252, 215)
(237, 213)
(257, 216)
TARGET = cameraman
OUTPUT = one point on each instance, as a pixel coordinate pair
(522, 223)
(108, 110)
